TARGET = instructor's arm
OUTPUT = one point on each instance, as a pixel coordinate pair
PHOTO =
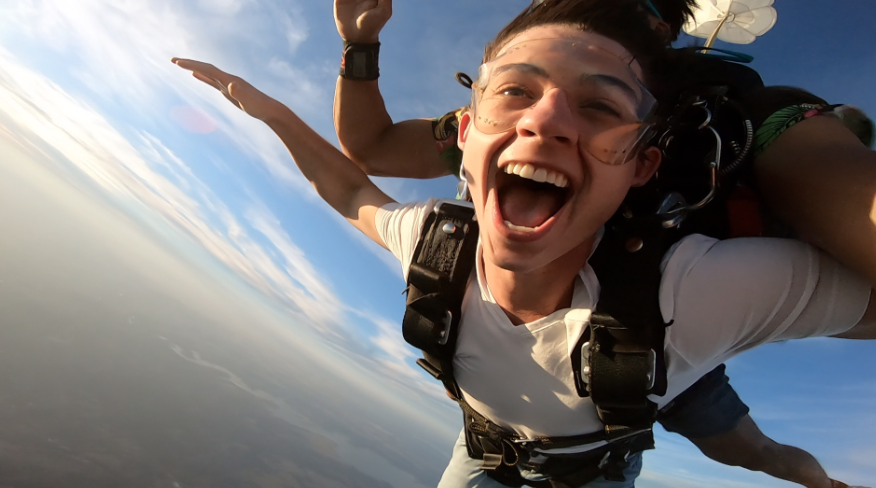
(365, 130)
(818, 177)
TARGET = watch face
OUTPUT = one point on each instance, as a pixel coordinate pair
(360, 63)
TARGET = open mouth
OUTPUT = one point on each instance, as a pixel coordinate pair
(529, 196)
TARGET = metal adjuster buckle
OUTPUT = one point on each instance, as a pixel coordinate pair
(444, 333)
(650, 358)
(491, 461)
(652, 372)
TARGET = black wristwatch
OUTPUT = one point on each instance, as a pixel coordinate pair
(359, 62)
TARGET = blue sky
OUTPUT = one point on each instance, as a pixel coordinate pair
(90, 85)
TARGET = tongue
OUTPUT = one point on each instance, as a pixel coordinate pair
(524, 206)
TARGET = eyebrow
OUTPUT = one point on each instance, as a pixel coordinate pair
(600, 79)
(525, 67)
(614, 81)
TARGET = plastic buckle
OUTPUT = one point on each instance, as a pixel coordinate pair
(432, 370)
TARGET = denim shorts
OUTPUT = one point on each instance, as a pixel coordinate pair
(709, 407)
(465, 472)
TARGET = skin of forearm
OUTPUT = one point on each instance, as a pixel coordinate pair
(360, 119)
(336, 179)
(795, 465)
(747, 447)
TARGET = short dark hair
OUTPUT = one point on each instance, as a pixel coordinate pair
(675, 13)
(623, 21)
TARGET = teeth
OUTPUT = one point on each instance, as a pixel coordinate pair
(562, 181)
(519, 228)
(540, 175)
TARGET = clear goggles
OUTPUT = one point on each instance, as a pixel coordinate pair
(605, 100)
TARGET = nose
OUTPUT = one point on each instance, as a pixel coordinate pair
(550, 119)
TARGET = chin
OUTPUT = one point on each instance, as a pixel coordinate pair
(509, 259)
(519, 257)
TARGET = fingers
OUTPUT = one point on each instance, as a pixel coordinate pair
(205, 69)
(206, 79)
(211, 75)
(225, 90)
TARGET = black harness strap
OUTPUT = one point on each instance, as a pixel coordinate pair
(437, 278)
(626, 350)
(623, 365)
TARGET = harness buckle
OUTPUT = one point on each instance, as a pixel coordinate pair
(430, 368)
(613, 466)
(585, 363)
(673, 209)
(651, 376)
(444, 333)
(491, 461)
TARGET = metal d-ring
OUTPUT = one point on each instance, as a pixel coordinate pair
(703, 105)
(714, 168)
(674, 214)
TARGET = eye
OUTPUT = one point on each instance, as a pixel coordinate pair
(514, 91)
(602, 107)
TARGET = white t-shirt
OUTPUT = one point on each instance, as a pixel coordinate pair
(724, 296)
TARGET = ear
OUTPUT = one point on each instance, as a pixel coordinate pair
(465, 124)
(662, 28)
(646, 165)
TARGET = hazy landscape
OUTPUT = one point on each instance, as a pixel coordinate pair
(178, 308)
(122, 365)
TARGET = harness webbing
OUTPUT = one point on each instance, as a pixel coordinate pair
(625, 344)
(437, 278)
(627, 330)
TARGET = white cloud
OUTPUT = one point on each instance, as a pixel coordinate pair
(394, 357)
(145, 171)
(120, 53)
(94, 146)
(296, 29)
(389, 340)
(320, 301)
(223, 7)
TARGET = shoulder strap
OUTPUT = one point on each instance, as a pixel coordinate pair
(625, 345)
(437, 278)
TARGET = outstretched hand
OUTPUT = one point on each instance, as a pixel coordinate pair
(237, 90)
(362, 20)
